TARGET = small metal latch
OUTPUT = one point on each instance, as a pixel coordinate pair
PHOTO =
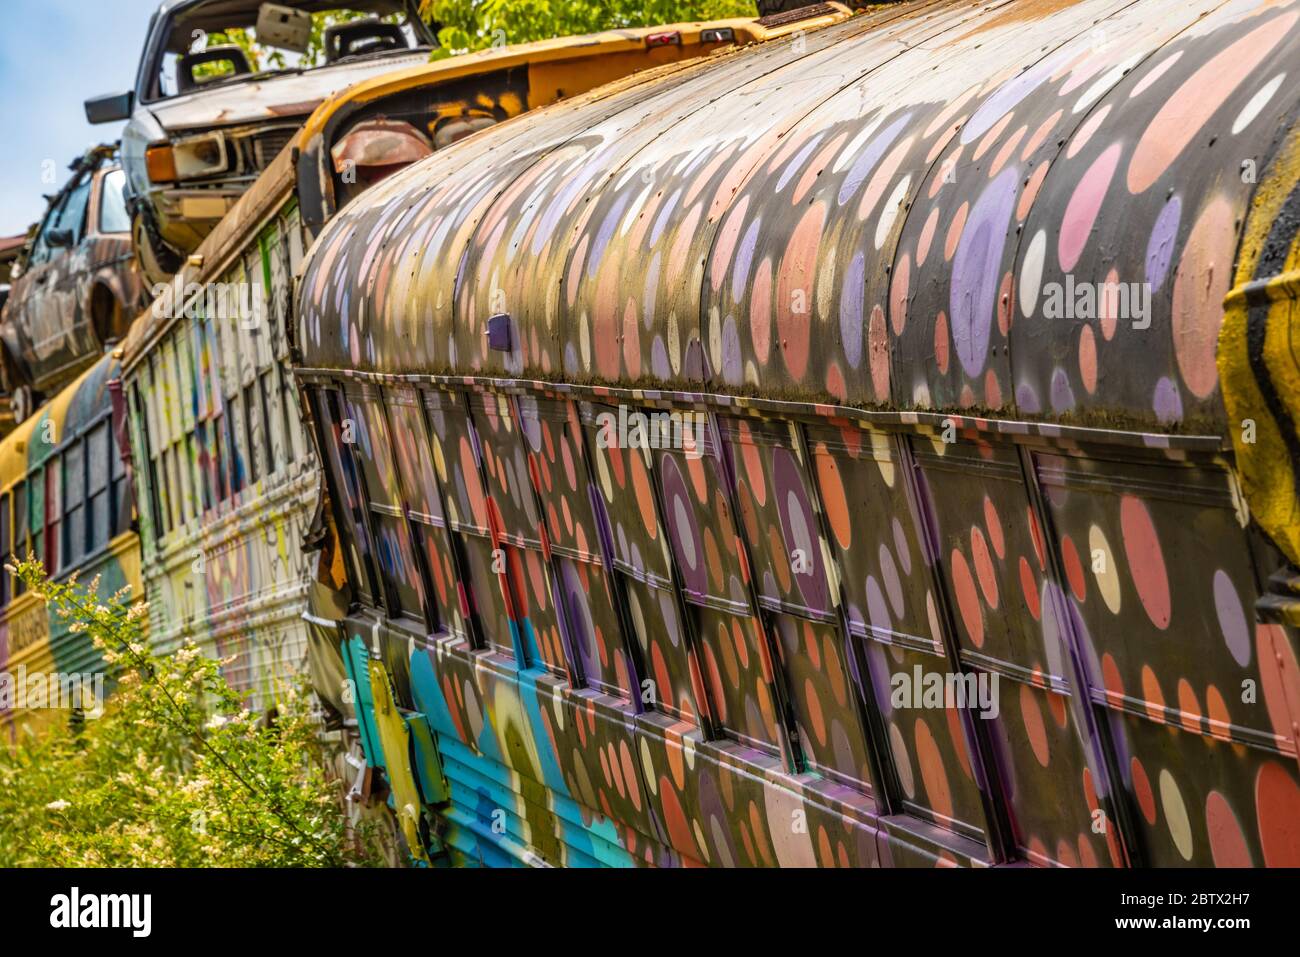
(498, 332)
(668, 38)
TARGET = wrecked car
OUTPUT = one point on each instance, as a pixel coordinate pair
(74, 288)
(10, 249)
(222, 86)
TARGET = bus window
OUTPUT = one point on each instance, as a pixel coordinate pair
(335, 432)
(22, 538)
(98, 499)
(52, 507)
(642, 564)
(120, 489)
(74, 514)
(422, 495)
(383, 498)
(6, 551)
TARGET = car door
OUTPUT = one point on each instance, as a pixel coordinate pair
(111, 262)
(55, 310)
(23, 312)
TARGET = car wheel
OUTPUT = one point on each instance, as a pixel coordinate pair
(21, 404)
(158, 262)
(108, 318)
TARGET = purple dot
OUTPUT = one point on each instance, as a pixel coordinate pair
(744, 258)
(800, 158)
(1027, 400)
(731, 354)
(1160, 247)
(851, 310)
(659, 359)
(1168, 404)
(877, 610)
(1062, 394)
(869, 157)
(976, 270)
(1232, 618)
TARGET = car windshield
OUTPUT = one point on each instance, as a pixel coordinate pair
(216, 43)
(69, 214)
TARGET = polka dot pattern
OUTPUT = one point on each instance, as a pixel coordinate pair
(698, 650)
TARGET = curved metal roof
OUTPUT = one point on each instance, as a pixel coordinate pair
(888, 212)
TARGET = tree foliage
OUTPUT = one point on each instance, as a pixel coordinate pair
(272, 58)
(469, 25)
(175, 772)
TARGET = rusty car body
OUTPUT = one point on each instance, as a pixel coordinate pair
(75, 289)
(205, 121)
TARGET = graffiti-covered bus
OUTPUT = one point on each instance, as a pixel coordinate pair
(65, 497)
(230, 508)
(875, 447)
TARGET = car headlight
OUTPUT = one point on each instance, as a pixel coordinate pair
(192, 158)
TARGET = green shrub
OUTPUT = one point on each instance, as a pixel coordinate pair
(175, 772)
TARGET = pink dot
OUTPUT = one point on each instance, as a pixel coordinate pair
(994, 525)
(1227, 842)
(1082, 210)
(984, 566)
(1146, 561)
(1088, 359)
(968, 602)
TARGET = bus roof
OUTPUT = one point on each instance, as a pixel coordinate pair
(80, 401)
(895, 212)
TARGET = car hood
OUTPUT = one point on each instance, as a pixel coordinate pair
(276, 97)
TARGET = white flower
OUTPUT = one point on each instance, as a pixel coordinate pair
(216, 721)
(59, 805)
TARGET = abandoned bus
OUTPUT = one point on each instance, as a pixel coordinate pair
(227, 478)
(65, 497)
(871, 448)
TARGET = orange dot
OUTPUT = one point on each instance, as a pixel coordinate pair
(968, 603)
(1189, 708)
(984, 566)
(1276, 798)
(1035, 730)
(994, 525)
(1110, 676)
(1073, 568)
(1216, 709)
(644, 499)
(1155, 700)
(1060, 712)
(1142, 791)
(932, 772)
(1030, 588)
(834, 500)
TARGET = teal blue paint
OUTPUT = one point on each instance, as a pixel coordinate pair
(356, 659)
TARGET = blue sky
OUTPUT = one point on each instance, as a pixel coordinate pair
(54, 54)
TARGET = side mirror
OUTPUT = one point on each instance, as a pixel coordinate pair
(109, 108)
(59, 238)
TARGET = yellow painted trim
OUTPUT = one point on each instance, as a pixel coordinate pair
(1267, 471)
(549, 51)
(15, 449)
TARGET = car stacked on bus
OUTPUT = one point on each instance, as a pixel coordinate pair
(229, 527)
